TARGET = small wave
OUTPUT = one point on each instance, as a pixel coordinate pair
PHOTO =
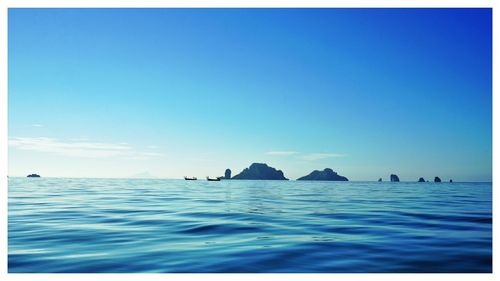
(101, 225)
(221, 229)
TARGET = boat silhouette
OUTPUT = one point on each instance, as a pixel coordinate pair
(190, 178)
(213, 179)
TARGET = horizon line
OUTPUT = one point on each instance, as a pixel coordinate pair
(166, 178)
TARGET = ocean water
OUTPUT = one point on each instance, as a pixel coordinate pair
(133, 225)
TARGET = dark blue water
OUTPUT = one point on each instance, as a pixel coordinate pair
(122, 225)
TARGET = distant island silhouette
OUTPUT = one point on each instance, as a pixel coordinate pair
(325, 175)
(227, 174)
(394, 178)
(260, 171)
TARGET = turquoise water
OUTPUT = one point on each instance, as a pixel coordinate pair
(124, 225)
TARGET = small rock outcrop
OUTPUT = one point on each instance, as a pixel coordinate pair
(379, 179)
(421, 180)
(260, 171)
(227, 174)
(451, 180)
(394, 178)
(33, 176)
(437, 179)
(325, 175)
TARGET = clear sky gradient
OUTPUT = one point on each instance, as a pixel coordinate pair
(174, 92)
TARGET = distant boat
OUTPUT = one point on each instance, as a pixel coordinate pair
(213, 179)
(190, 179)
(33, 176)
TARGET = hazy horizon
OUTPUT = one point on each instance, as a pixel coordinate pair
(113, 93)
(428, 180)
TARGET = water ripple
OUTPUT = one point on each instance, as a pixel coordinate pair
(120, 225)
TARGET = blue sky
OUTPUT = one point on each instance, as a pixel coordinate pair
(174, 92)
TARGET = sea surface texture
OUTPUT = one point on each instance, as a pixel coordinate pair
(124, 225)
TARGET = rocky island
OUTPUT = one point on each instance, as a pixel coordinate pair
(394, 178)
(260, 171)
(33, 176)
(437, 179)
(421, 180)
(325, 175)
(227, 174)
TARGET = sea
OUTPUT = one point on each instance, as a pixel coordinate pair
(176, 226)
